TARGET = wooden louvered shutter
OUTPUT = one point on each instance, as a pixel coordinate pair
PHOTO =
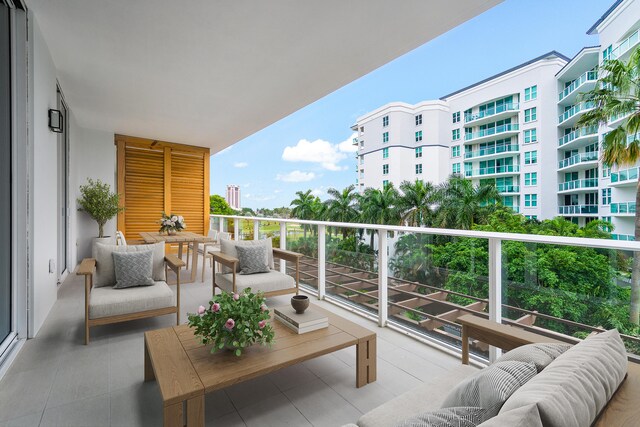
(156, 176)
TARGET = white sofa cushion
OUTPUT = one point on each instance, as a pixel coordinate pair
(425, 397)
(446, 417)
(265, 282)
(107, 301)
(540, 355)
(228, 247)
(575, 387)
(105, 270)
(526, 416)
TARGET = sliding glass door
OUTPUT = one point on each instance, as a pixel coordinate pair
(6, 297)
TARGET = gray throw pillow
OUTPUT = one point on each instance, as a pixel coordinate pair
(133, 269)
(525, 416)
(252, 259)
(491, 387)
(105, 272)
(446, 417)
(228, 247)
(540, 355)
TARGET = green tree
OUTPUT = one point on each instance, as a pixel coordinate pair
(462, 204)
(304, 208)
(97, 200)
(219, 206)
(617, 94)
(416, 202)
(379, 207)
(341, 207)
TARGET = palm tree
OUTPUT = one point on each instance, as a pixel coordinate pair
(341, 207)
(463, 204)
(380, 207)
(416, 202)
(303, 207)
(617, 94)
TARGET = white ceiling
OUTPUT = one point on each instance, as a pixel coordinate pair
(212, 72)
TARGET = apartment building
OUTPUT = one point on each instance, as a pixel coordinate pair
(233, 196)
(518, 130)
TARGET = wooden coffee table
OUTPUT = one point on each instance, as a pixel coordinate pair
(186, 370)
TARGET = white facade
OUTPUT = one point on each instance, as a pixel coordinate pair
(233, 196)
(518, 130)
(477, 132)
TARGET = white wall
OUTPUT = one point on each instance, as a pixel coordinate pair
(44, 182)
(92, 154)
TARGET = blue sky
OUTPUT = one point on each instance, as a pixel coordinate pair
(272, 164)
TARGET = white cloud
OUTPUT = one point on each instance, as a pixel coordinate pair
(261, 198)
(240, 164)
(296, 176)
(320, 191)
(347, 146)
(328, 155)
(277, 191)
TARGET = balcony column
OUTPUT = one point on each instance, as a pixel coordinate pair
(221, 224)
(495, 289)
(322, 264)
(236, 229)
(256, 229)
(383, 275)
(283, 245)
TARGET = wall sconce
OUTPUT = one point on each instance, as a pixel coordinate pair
(55, 120)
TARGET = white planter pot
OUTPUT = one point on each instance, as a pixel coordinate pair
(107, 240)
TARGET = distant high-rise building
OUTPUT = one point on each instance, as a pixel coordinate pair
(233, 196)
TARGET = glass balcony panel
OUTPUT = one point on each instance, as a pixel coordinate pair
(591, 130)
(625, 45)
(491, 150)
(577, 184)
(578, 158)
(589, 76)
(575, 110)
(623, 208)
(491, 111)
(491, 131)
(578, 209)
(493, 170)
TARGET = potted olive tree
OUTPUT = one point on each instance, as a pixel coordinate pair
(97, 200)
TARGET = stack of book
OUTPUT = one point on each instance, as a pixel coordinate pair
(308, 321)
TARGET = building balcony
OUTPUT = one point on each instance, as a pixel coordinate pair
(574, 210)
(492, 133)
(571, 116)
(579, 138)
(508, 189)
(578, 185)
(491, 152)
(623, 209)
(582, 84)
(493, 171)
(624, 178)
(625, 46)
(492, 114)
(617, 119)
(578, 161)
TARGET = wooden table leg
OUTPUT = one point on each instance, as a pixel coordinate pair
(173, 415)
(366, 361)
(149, 375)
(465, 345)
(194, 261)
(195, 411)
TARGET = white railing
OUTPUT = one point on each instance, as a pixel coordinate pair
(495, 266)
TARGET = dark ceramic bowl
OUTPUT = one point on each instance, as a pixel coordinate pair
(300, 303)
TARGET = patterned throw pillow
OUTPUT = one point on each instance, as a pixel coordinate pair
(133, 269)
(252, 259)
(446, 417)
(491, 387)
(540, 355)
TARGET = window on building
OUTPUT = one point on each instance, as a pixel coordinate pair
(530, 157)
(385, 169)
(418, 152)
(456, 117)
(418, 119)
(385, 137)
(530, 114)
(606, 196)
(419, 168)
(455, 168)
(530, 179)
(361, 160)
(606, 171)
(385, 153)
(532, 217)
(455, 151)
(530, 200)
(361, 129)
(455, 134)
(606, 53)
(385, 183)
(606, 219)
(530, 135)
(419, 136)
(531, 93)
(385, 121)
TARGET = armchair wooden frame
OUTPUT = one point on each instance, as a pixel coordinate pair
(232, 263)
(87, 269)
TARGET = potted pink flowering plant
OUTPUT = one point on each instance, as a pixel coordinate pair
(233, 322)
